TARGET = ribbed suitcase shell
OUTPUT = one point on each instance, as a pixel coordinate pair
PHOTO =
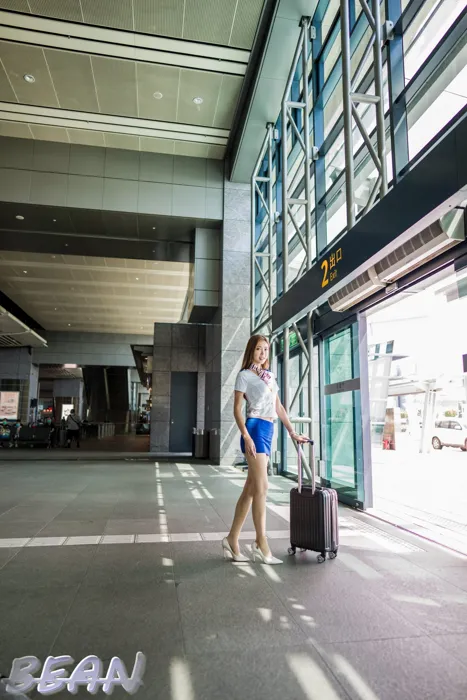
(314, 520)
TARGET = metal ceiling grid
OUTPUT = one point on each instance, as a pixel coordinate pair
(102, 67)
(221, 22)
(95, 294)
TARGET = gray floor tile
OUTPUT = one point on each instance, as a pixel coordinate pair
(130, 562)
(23, 528)
(133, 526)
(434, 606)
(234, 614)
(122, 619)
(454, 644)
(7, 553)
(320, 605)
(38, 567)
(72, 528)
(295, 673)
(457, 575)
(412, 669)
(32, 621)
(74, 514)
(30, 513)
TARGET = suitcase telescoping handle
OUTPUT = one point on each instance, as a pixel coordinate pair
(312, 466)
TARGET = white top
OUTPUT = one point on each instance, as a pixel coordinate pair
(260, 399)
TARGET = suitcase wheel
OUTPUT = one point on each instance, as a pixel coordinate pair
(291, 550)
(333, 555)
(321, 558)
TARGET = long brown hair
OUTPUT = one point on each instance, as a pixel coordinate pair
(248, 357)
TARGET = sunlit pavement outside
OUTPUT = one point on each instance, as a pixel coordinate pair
(427, 493)
(112, 558)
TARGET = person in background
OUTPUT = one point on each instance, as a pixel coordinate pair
(53, 433)
(73, 426)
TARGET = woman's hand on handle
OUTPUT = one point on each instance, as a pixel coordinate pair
(301, 439)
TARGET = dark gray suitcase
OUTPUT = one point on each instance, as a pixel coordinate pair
(313, 516)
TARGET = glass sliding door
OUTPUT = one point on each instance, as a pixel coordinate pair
(342, 455)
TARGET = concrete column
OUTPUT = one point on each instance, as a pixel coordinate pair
(235, 310)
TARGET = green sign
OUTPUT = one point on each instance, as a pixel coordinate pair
(293, 341)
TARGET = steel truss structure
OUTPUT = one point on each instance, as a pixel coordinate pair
(295, 128)
(292, 198)
(351, 100)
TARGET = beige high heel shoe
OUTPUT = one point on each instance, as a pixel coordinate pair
(228, 552)
(262, 557)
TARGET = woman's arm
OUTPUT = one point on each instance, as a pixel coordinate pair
(282, 414)
(239, 419)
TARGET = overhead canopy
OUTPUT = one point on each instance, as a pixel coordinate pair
(15, 333)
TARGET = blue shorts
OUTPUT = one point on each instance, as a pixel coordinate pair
(261, 432)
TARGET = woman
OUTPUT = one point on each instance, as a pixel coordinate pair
(258, 386)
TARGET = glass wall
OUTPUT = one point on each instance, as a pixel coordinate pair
(428, 77)
(342, 454)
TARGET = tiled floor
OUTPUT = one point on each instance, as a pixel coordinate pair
(112, 558)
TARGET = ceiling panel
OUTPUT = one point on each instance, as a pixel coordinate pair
(198, 84)
(157, 79)
(90, 293)
(19, 59)
(220, 22)
(246, 20)
(164, 17)
(152, 145)
(61, 9)
(15, 130)
(116, 85)
(123, 141)
(15, 5)
(209, 21)
(6, 91)
(108, 13)
(227, 102)
(85, 137)
(197, 150)
(73, 80)
(49, 133)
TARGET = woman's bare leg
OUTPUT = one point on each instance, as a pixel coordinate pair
(241, 511)
(254, 492)
(259, 487)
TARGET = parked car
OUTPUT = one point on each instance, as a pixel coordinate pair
(450, 433)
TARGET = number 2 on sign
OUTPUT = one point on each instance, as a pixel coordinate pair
(325, 269)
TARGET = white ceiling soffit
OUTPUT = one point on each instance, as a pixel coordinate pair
(270, 84)
(135, 68)
(15, 333)
(91, 294)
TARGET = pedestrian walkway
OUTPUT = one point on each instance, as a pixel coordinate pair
(112, 558)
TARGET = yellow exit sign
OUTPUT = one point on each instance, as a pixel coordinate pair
(329, 267)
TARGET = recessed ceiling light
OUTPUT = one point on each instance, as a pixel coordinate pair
(55, 309)
(29, 78)
(198, 100)
(69, 324)
(153, 228)
(137, 278)
(25, 272)
(66, 245)
(158, 95)
(54, 220)
(19, 217)
(53, 257)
